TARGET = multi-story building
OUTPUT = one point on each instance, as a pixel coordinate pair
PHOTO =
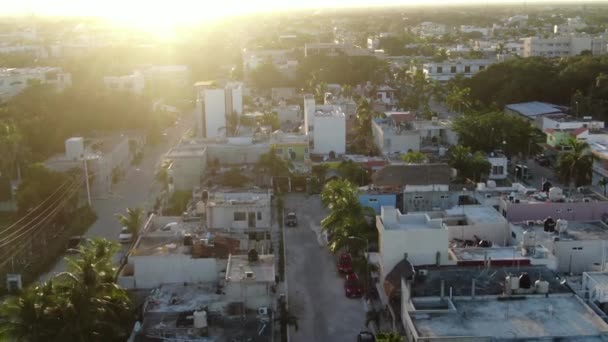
(445, 71)
(15, 80)
(564, 46)
(329, 131)
(214, 104)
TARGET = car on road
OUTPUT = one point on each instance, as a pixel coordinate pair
(352, 286)
(345, 263)
(366, 336)
(125, 235)
(291, 220)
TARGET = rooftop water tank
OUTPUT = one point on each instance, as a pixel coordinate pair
(529, 238)
(556, 194)
(562, 226)
(74, 148)
(524, 281)
(200, 319)
(541, 286)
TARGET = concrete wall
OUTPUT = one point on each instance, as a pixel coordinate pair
(188, 171)
(153, 270)
(421, 245)
(427, 200)
(222, 216)
(499, 233)
(375, 201)
(309, 112)
(254, 294)
(580, 211)
(329, 134)
(215, 112)
(236, 154)
(578, 256)
(388, 142)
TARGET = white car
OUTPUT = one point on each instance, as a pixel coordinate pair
(125, 236)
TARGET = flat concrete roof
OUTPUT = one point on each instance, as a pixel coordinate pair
(239, 266)
(495, 253)
(580, 231)
(477, 214)
(531, 317)
(180, 297)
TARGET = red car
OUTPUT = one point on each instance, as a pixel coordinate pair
(352, 286)
(345, 263)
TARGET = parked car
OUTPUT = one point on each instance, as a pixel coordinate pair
(345, 263)
(291, 220)
(125, 235)
(352, 286)
(366, 336)
(542, 160)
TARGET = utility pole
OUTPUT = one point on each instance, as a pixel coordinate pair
(86, 177)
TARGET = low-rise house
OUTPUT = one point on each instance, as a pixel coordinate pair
(15, 80)
(498, 165)
(402, 132)
(288, 113)
(569, 122)
(293, 147)
(558, 139)
(134, 83)
(535, 111)
(329, 131)
(250, 282)
(241, 213)
(187, 167)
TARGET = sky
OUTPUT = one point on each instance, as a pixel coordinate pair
(165, 12)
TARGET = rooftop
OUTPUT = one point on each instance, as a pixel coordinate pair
(476, 214)
(412, 174)
(241, 269)
(180, 297)
(392, 219)
(482, 254)
(576, 230)
(535, 108)
(488, 280)
(531, 317)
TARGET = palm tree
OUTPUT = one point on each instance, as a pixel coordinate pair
(603, 182)
(575, 165)
(347, 217)
(132, 220)
(414, 157)
(469, 165)
(458, 99)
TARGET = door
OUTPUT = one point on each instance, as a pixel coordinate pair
(251, 219)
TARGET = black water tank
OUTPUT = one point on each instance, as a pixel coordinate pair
(546, 186)
(188, 240)
(549, 225)
(524, 281)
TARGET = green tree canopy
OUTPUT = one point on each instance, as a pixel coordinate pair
(576, 164)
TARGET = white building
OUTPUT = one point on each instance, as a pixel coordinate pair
(214, 104)
(430, 29)
(445, 71)
(572, 25)
(563, 46)
(402, 132)
(15, 80)
(329, 131)
(239, 212)
(187, 167)
(569, 122)
(134, 83)
(250, 282)
(499, 166)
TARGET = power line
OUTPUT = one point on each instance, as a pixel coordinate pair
(11, 252)
(36, 208)
(74, 187)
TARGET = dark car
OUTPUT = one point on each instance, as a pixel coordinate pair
(345, 263)
(352, 286)
(291, 220)
(366, 336)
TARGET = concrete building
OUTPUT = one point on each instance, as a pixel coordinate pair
(214, 104)
(485, 31)
(293, 147)
(288, 113)
(447, 70)
(535, 112)
(334, 49)
(187, 167)
(430, 29)
(329, 131)
(386, 95)
(240, 212)
(564, 46)
(402, 132)
(134, 83)
(572, 25)
(106, 158)
(499, 166)
(15, 80)
(250, 282)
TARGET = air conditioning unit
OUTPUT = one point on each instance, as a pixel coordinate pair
(530, 223)
(423, 273)
(263, 311)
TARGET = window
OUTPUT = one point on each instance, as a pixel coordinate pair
(259, 215)
(430, 70)
(444, 197)
(240, 216)
(569, 210)
(453, 69)
(418, 197)
(372, 200)
(467, 68)
(305, 150)
(513, 235)
(481, 67)
(577, 248)
(439, 70)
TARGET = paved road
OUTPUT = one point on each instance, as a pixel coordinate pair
(137, 189)
(316, 293)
